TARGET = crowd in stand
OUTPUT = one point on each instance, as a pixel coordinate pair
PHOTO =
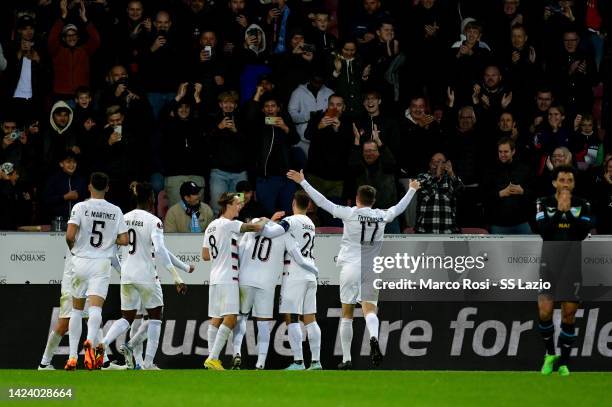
(478, 99)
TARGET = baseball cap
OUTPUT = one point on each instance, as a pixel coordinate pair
(189, 188)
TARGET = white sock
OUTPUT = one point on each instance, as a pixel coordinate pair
(212, 335)
(220, 340)
(100, 336)
(53, 342)
(118, 327)
(153, 333)
(295, 340)
(263, 342)
(93, 324)
(314, 340)
(136, 323)
(138, 334)
(346, 338)
(75, 328)
(372, 324)
(238, 333)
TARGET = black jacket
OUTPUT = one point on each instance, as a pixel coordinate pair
(514, 209)
(58, 185)
(329, 150)
(228, 151)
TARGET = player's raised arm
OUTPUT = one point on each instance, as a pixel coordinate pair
(315, 195)
(401, 206)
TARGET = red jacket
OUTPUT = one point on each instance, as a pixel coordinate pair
(71, 66)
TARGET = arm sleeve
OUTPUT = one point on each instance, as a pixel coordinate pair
(294, 250)
(75, 215)
(297, 115)
(341, 212)
(93, 43)
(272, 230)
(54, 37)
(176, 262)
(3, 62)
(401, 206)
(122, 226)
(234, 226)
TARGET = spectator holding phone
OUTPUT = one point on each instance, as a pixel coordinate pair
(228, 147)
(273, 137)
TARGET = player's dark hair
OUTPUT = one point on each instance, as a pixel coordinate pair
(301, 199)
(366, 195)
(563, 168)
(142, 194)
(99, 181)
(226, 198)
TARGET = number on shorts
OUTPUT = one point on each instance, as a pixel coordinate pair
(97, 233)
(212, 241)
(363, 230)
(309, 246)
(260, 242)
(132, 241)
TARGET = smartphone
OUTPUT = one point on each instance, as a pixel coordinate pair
(14, 135)
(208, 50)
(308, 47)
(252, 32)
(331, 112)
(241, 196)
(269, 120)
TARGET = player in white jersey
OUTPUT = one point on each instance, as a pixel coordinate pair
(139, 280)
(363, 228)
(261, 264)
(221, 248)
(95, 226)
(299, 286)
(65, 308)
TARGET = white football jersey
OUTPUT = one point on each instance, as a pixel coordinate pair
(144, 230)
(262, 260)
(302, 230)
(99, 222)
(364, 228)
(221, 240)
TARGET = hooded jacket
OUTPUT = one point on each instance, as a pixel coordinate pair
(57, 139)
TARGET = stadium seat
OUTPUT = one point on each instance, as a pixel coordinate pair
(331, 230)
(162, 204)
(474, 231)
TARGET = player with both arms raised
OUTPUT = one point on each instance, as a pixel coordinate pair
(363, 230)
(139, 280)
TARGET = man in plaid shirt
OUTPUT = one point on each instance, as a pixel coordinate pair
(437, 199)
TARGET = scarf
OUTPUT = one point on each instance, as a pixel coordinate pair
(194, 213)
(280, 44)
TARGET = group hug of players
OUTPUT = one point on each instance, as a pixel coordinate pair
(248, 260)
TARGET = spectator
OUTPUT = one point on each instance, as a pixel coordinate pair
(587, 143)
(60, 137)
(386, 124)
(543, 101)
(279, 21)
(490, 97)
(132, 34)
(183, 143)
(522, 66)
(71, 61)
(120, 157)
(307, 99)
(64, 188)
(324, 41)
(162, 63)
(251, 207)
(367, 21)
(27, 74)
(190, 215)
(228, 147)
(561, 156)
(551, 135)
(373, 164)
(274, 134)
(347, 77)
(234, 21)
(508, 199)
(603, 195)
(15, 200)
(209, 67)
(468, 59)
(331, 136)
(437, 199)
(252, 60)
(11, 149)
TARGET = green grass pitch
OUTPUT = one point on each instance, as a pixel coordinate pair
(322, 388)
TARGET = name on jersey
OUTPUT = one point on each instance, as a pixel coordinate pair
(308, 227)
(362, 218)
(100, 215)
(134, 223)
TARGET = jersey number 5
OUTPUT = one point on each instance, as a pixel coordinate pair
(96, 235)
